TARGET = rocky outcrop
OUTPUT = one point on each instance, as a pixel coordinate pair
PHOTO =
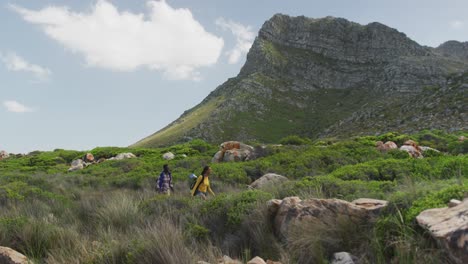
(89, 159)
(293, 210)
(454, 50)
(233, 151)
(384, 147)
(10, 256)
(412, 148)
(449, 226)
(268, 180)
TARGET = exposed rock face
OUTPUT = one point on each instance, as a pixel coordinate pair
(449, 226)
(10, 256)
(454, 49)
(292, 210)
(327, 77)
(268, 180)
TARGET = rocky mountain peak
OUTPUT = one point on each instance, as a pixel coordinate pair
(454, 49)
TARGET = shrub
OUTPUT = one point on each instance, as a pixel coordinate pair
(295, 140)
(435, 200)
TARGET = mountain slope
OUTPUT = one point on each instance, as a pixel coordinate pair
(312, 76)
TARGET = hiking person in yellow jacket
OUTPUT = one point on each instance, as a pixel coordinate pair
(202, 185)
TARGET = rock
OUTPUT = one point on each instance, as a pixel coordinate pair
(233, 151)
(4, 155)
(10, 256)
(228, 260)
(342, 258)
(268, 179)
(371, 205)
(202, 262)
(88, 158)
(387, 146)
(272, 262)
(78, 164)
(293, 210)
(449, 226)
(101, 160)
(218, 157)
(412, 151)
(236, 155)
(454, 202)
(256, 260)
(122, 156)
(168, 156)
(461, 138)
(183, 156)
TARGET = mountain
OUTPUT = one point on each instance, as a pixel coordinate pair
(330, 77)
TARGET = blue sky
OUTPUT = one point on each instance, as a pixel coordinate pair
(81, 74)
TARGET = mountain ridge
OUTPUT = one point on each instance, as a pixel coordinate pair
(304, 76)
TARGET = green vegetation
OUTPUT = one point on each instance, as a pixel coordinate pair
(111, 213)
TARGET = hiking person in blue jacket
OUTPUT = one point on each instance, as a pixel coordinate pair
(165, 181)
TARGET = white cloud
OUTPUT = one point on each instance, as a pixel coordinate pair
(15, 107)
(457, 24)
(244, 38)
(13, 62)
(166, 39)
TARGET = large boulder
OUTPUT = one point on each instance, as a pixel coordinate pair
(293, 210)
(256, 260)
(342, 258)
(267, 180)
(4, 155)
(89, 158)
(412, 151)
(168, 156)
(449, 226)
(233, 151)
(384, 147)
(10, 256)
(78, 164)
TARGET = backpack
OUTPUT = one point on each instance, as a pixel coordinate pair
(192, 180)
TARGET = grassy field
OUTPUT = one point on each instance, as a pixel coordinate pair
(111, 213)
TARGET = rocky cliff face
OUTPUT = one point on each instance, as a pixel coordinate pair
(316, 77)
(454, 49)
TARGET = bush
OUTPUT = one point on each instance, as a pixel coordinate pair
(295, 140)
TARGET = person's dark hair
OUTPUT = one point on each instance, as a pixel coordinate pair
(166, 168)
(205, 169)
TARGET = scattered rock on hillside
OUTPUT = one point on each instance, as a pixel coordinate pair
(168, 156)
(327, 211)
(342, 258)
(10, 256)
(78, 164)
(228, 260)
(412, 148)
(89, 158)
(454, 202)
(268, 179)
(424, 149)
(122, 156)
(256, 260)
(233, 151)
(386, 146)
(449, 226)
(4, 155)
